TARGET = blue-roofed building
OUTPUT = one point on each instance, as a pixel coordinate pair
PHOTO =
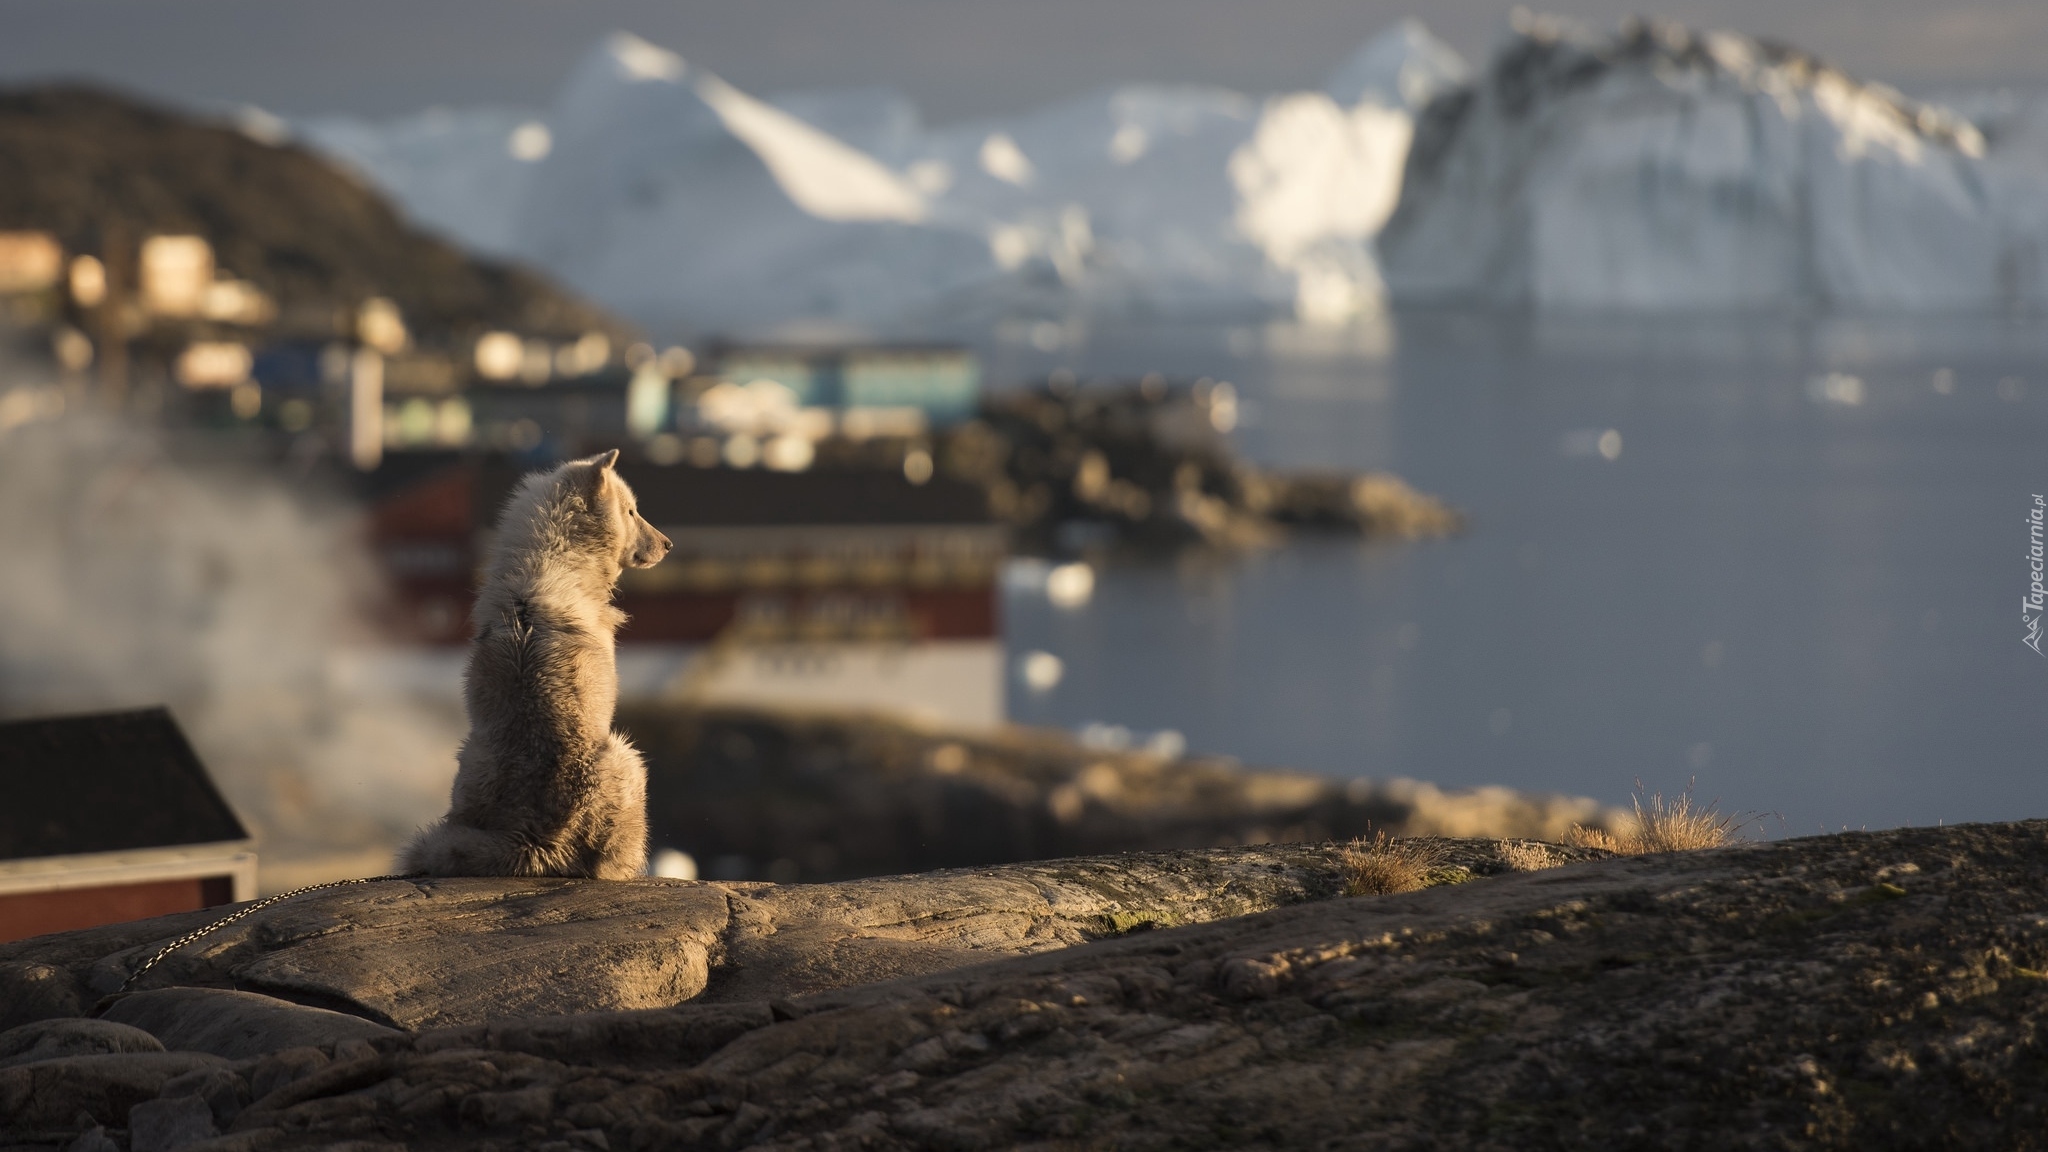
(942, 381)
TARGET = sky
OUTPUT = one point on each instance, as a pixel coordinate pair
(959, 59)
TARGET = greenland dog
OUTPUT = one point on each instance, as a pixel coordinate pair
(543, 786)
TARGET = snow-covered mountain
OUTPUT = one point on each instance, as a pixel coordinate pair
(1654, 169)
(1661, 169)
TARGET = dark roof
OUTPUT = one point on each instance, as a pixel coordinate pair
(680, 496)
(110, 782)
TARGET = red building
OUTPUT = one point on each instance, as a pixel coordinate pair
(108, 818)
(855, 589)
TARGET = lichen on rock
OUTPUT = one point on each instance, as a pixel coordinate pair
(1853, 991)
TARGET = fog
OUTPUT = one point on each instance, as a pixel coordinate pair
(129, 578)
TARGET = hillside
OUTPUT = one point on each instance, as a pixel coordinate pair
(96, 167)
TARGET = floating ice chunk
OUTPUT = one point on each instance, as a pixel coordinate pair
(1002, 159)
(1585, 442)
(1836, 388)
(1070, 586)
(1129, 143)
(1041, 671)
(530, 142)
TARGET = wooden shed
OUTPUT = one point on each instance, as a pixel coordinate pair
(111, 817)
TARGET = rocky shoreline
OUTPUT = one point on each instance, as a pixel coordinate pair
(1145, 465)
(1851, 991)
(756, 793)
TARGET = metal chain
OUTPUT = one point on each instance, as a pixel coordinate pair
(258, 906)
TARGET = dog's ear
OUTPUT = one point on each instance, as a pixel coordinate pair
(591, 473)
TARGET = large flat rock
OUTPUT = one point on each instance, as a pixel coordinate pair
(1871, 990)
(427, 953)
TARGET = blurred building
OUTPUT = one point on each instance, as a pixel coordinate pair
(849, 589)
(109, 818)
(943, 381)
(30, 261)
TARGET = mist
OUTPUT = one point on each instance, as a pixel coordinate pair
(129, 577)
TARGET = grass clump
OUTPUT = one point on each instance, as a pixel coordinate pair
(1679, 824)
(1383, 865)
(1528, 855)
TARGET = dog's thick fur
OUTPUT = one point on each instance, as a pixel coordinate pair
(543, 786)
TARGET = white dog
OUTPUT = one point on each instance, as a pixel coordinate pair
(543, 786)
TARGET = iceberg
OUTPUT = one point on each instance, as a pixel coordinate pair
(1654, 169)
(1662, 169)
(672, 196)
(456, 172)
(1167, 199)
(661, 190)
(1404, 67)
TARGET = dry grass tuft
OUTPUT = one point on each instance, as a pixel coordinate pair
(1583, 837)
(1526, 856)
(1384, 865)
(1679, 824)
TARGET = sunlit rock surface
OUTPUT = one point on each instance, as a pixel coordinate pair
(432, 952)
(1854, 991)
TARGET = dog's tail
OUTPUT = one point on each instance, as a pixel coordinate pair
(619, 840)
(605, 837)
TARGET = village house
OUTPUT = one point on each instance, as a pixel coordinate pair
(827, 588)
(111, 817)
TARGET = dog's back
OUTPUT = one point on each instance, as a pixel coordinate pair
(544, 787)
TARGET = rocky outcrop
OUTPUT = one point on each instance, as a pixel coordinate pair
(818, 796)
(56, 1039)
(1141, 466)
(1146, 464)
(1854, 991)
(432, 952)
(231, 1024)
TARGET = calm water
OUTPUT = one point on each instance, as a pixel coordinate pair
(1803, 590)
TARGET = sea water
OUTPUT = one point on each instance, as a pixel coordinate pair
(1781, 560)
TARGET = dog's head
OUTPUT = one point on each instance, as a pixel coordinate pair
(628, 536)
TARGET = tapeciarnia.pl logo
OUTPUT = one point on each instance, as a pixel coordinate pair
(2037, 597)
